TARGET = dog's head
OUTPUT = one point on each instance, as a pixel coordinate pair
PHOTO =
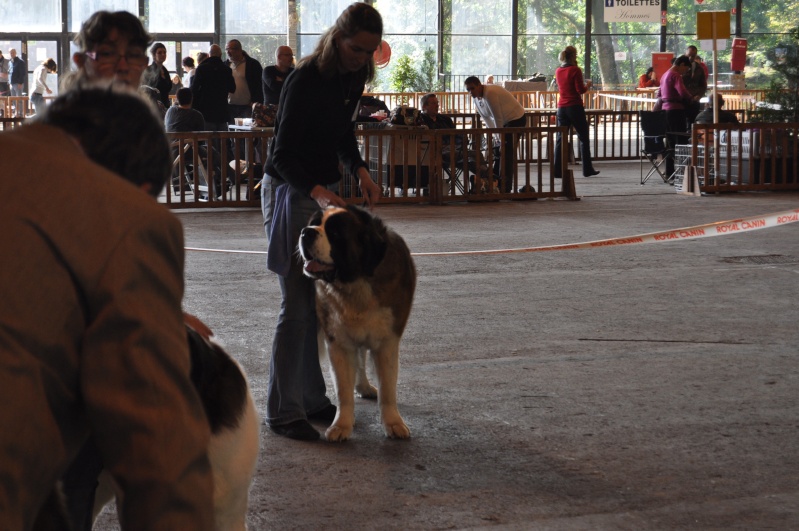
(342, 244)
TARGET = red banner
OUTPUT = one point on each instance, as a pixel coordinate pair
(661, 62)
(738, 58)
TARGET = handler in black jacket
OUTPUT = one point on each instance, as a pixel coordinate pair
(314, 131)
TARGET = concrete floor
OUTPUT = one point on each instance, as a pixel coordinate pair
(636, 387)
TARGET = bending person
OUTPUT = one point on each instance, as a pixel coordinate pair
(98, 347)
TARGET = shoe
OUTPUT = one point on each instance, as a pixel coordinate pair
(591, 174)
(300, 430)
(327, 414)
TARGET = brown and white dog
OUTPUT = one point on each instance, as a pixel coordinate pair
(365, 281)
(235, 431)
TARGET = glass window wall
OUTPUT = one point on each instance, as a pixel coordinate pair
(80, 11)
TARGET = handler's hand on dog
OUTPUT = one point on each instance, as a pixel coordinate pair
(325, 198)
(369, 189)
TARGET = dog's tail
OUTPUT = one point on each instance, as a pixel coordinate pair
(219, 382)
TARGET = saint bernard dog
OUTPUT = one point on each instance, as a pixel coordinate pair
(235, 430)
(365, 280)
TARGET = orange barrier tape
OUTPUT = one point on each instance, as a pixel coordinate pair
(719, 228)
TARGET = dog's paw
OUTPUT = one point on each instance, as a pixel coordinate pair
(366, 391)
(397, 430)
(338, 433)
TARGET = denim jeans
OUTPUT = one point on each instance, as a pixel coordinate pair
(574, 116)
(38, 103)
(296, 385)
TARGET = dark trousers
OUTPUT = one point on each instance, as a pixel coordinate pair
(675, 124)
(691, 112)
(509, 147)
(574, 116)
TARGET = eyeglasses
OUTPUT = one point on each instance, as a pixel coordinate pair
(105, 57)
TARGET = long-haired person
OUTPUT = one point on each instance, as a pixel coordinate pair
(314, 133)
(157, 76)
(571, 111)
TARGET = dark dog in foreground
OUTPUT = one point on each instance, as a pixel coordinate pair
(235, 432)
(365, 281)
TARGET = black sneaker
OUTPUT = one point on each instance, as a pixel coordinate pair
(300, 430)
(327, 414)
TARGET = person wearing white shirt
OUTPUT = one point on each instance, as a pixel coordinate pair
(40, 79)
(498, 109)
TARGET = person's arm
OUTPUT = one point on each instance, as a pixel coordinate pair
(143, 410)
(254, 83)
(43, 80)
(684, 93)
(167, 81)
(299, 109)
(229, 81)
(579, 85)
(268, 79)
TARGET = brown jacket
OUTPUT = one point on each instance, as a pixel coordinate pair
(92, 338)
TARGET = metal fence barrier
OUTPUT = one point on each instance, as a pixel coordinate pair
(745, 157)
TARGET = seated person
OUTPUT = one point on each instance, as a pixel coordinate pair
(433, 120)
(647, 79)
(725, 117)
(181, 118)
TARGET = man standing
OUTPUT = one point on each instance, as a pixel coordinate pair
(212, 83)
(498, 108)
(695, 81)
(247, 73)
(17, 72)
(275, 75)
(4, 66)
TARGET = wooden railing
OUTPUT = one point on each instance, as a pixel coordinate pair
(15, 106)
(620, 100)
(223, 169)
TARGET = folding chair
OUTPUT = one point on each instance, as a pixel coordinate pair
(655, 149)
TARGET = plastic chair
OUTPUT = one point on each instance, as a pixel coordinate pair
(655, 148)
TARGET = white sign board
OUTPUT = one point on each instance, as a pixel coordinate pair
(620, 56)
(632, 11)
(707, 45)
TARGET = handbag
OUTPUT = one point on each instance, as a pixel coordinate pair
(405, 115)
(264, 114)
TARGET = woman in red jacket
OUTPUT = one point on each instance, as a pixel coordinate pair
(648, 80)
(570, 108)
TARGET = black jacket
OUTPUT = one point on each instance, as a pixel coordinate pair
(252, 72)
(212, 82)
(272, 82)
(153, 77)
(314, 130)
(17, 71)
